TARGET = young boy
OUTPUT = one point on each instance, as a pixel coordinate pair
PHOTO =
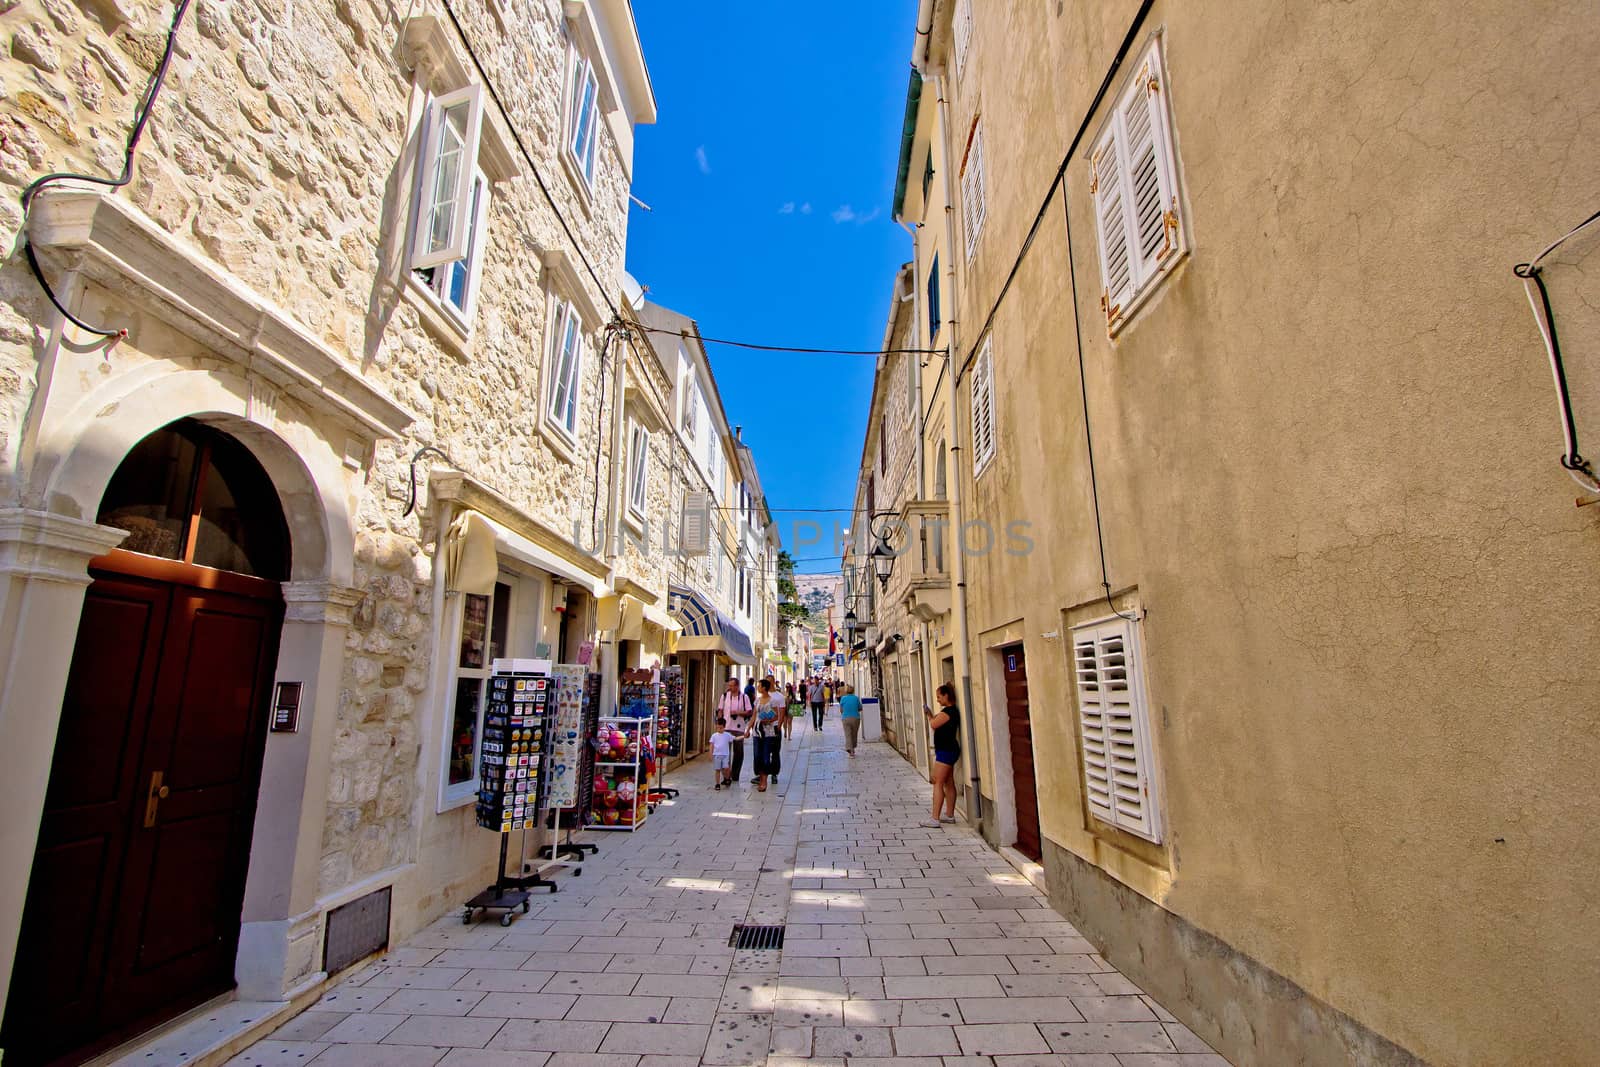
(722, 754)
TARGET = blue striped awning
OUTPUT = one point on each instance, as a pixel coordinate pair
(705, 629)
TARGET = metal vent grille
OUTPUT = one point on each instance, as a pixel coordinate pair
(756, 937)
(356, 930)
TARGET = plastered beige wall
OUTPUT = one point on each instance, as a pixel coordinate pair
(1326, 454)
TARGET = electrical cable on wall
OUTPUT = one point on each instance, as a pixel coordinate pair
(411, 500)
(1580, 469)
(141, 118)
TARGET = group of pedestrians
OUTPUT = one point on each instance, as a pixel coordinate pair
(759, 715)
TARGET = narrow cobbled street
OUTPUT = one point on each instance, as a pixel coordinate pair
(902, 942)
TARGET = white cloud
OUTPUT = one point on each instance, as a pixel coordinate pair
(787, 209)
(805, 208)
(700, 158)
(844, 214)
(868, 217)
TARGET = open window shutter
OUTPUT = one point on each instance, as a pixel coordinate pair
(1152, 204)
(983, 407)
(1111, 218)
(973, 207)
(444, 202)
(695, 527)
(1115, 730)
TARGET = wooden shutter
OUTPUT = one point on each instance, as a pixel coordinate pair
(983, 407)
(445, 168)
(695, 527)
(1116, 260)
(961, 30)
(1148, 186)
(973, 208)
(1114, 726)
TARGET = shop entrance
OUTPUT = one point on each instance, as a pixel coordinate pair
(134, 902)
(1020, 732)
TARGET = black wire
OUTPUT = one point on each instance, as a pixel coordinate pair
(1575, 461)
(1088, 437)
(483, 75)
(411, 501)
(141, 118)
(687, 336)
(1061, 173)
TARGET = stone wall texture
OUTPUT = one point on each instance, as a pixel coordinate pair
(281, 150)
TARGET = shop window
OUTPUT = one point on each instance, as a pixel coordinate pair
(485, 622)
(193, 494)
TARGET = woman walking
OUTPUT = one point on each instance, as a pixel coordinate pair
(765, 731)
(946, 726)
(850, 718)
(788, 710)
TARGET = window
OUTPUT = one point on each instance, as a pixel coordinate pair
(1133, 181)
(983, 407)
(1114, 722)
(455, 284)
(973, 208)
(583, 115)
(485, 622)
(449, 151)
(638, 468)
(961, 30)
(566, 357)
(933, 299)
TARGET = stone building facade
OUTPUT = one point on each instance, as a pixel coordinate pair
(1236, 333)
(369, 259)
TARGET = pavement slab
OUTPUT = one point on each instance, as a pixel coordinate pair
(904, 945)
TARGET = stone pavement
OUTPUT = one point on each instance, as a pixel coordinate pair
(902, 942)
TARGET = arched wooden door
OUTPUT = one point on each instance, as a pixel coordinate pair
(134, 901)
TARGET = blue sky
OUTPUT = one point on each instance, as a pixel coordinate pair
(770, 174)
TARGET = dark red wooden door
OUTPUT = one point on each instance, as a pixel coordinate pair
(1021, 736)
(134, 902)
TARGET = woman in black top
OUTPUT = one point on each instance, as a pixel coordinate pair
(946, 724)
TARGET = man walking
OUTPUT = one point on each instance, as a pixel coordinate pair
(735, 708)
(815, 696)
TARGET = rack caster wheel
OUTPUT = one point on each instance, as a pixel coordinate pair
(466, 917)
(505, 920)
(527, 906)
(577, 872)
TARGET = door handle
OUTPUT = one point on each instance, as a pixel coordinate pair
(158, 793)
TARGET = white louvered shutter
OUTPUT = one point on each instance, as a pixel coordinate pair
(1147, 173)
(973, 207)
(695, 528)
(445, 171)
(961, 30)
(983, 428)
(1114, 725)
(1111, 220)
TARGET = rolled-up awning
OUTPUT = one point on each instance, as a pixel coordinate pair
(475, 541)
(705, 629)
(628, 616)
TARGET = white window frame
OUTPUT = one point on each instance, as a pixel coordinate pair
(438, 191)
(1129, 273)
(581, 79)
(638, 469)
(454, 795)
(472, 264)
(1117, 761)
(974, 207)
(568, 323)
(984, 430)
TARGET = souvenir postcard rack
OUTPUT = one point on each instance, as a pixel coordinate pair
(511, 778)
(669, 725)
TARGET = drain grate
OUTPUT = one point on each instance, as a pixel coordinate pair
(756, 937)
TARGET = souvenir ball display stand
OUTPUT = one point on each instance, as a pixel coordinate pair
(511, 778)
(669, 726)
(624, 747)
